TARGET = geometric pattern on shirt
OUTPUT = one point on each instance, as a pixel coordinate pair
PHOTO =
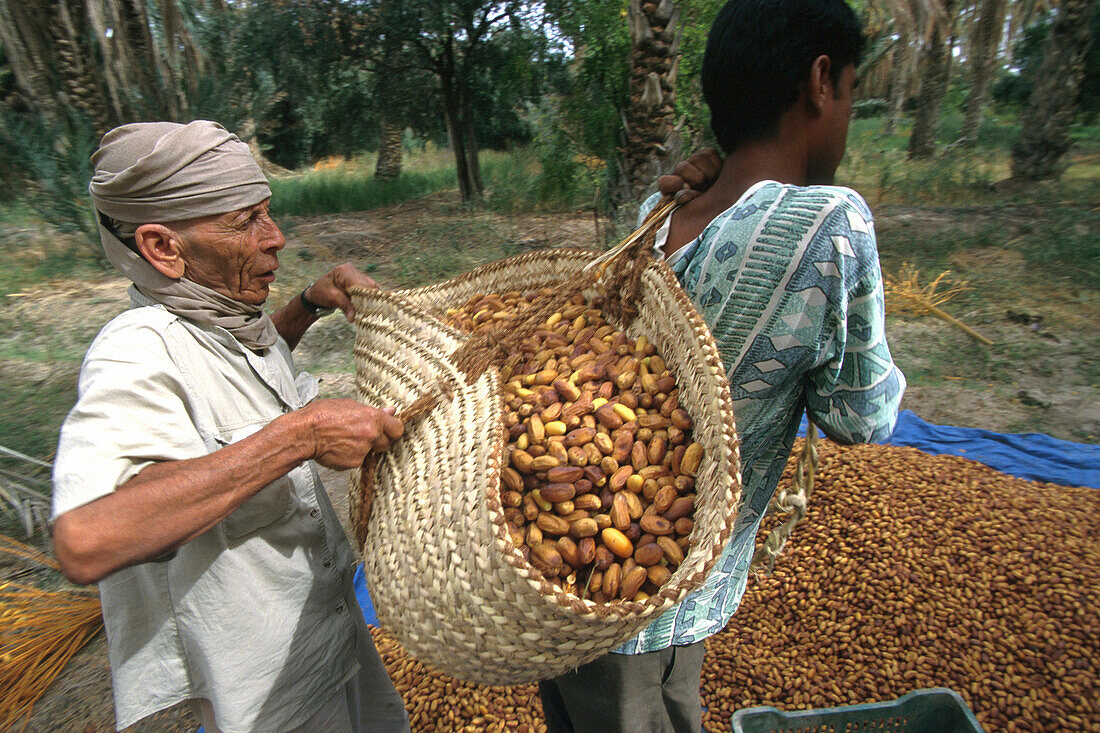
(788, 282)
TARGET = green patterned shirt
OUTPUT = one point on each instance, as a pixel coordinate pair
(788, 281)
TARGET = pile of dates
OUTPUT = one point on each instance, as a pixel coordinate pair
(599, 478)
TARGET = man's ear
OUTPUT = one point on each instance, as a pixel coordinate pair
(820, 84)
(160, 246)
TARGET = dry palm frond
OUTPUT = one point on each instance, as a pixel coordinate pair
(906, 295)
(15, 548)
(25, 495)
(27, 505)
(911, 297)
(40, 630)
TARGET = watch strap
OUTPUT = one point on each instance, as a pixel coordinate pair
(312, 308)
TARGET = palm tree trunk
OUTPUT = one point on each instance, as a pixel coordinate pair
(987, 39)
(113, 68)
(388, 92)
(1039, 152)
(180, 52)
(25, 35)
(899, 82)
(934, 66)
(651, 136)
(125, 41)
(388, 166)
(473, 150)
(80, 83)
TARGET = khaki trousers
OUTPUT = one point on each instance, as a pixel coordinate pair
(655, 692)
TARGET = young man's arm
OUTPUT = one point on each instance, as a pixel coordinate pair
(854, 394)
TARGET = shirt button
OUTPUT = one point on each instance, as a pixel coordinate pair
(328, 562)
(314, 512)
(340, 608)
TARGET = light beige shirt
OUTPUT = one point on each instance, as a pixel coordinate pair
(255, 615)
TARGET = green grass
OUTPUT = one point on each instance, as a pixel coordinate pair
(1065, 242)
(36, 403)
(877, 165)
(1058, 243)
(324, 192)
(522, 182)
(514, 181)
(437, 251)
(32, 253)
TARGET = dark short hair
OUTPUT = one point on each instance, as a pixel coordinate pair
(760, 51)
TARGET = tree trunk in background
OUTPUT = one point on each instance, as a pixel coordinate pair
(983, 49)
(651, 142)
(473, 150)
(456, 135)
(1039, 152)
(47, 47)
(24, 33)
(388, 166)
(933, 70)
(388, 90)
(1021, 14)
(899, 77)
(101, 57)
(183, 54)
(80, 83)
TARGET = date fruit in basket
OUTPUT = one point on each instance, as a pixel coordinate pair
(598, 488)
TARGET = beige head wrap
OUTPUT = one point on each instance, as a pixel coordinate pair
(160, 172)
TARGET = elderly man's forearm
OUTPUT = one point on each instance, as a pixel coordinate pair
(292, 321)
(171, 503)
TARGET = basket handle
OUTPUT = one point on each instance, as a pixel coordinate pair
(653, 221)
(792, 503)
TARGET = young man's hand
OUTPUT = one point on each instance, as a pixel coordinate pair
(693, 176)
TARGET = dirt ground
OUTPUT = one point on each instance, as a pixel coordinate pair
(1026, 383)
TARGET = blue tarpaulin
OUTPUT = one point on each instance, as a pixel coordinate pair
(1032, 456)
(364, 597)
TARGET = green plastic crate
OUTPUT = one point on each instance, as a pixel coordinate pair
(935, 710)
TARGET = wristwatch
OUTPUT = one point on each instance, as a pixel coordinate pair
(312, 308)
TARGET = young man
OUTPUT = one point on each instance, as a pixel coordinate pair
(783, 266)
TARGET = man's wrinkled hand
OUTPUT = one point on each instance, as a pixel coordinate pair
(343, 431)
(693, 176)
(331, 290)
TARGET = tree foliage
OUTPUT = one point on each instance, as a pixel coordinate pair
(306, 79)
(1039, 151)
(1016, 83)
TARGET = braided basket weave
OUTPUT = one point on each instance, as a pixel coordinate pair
(444, 576)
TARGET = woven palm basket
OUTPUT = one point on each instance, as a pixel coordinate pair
(444, 576)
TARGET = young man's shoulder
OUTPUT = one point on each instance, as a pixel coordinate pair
(816, 196)
(830, 196)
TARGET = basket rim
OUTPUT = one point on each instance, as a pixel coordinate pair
(617, 610)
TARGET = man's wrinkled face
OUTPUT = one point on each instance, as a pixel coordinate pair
(235, 254)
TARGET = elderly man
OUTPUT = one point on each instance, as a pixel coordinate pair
(185, 482)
